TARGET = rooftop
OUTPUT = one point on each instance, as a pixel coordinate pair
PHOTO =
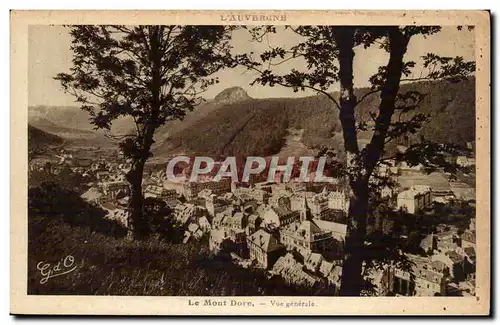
(308, 229)
(336, 228)
(454, 256)
(437, 181)
(280, 211)
(265, 241)
(471, 252)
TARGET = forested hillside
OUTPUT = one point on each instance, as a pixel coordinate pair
(38, 139)
(259, 126)
(235, 124)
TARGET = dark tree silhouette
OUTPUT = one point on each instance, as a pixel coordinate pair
(328, 52)
(151, 74)
(52, 201)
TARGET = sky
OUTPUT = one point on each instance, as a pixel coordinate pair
(49, 54)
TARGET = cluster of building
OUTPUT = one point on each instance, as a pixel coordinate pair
(292, 230)
(414, 199)
(297, 231)
(288, 235)
(465, 161)
(416, 189)
(449, 267)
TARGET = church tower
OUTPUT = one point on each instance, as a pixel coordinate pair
(305, 212)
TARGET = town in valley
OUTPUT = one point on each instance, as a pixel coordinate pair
(296, 230)
(218, 161)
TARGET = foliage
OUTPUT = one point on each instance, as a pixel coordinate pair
(328, 52)
(456, 212)
(66, 178)
(161, 222)
(151, 74)
(52, 201)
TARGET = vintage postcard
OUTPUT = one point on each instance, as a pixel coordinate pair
(250, 162)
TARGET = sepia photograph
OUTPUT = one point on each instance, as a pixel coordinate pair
(251, 162)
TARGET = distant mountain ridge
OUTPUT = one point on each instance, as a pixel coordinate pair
(261, 126)
(70, 117)
(233, 123)
(73, 123)
(231, 95)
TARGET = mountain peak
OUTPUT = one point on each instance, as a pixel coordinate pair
(231, 95)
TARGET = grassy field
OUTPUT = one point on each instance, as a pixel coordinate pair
(61, 223)
(116, 266)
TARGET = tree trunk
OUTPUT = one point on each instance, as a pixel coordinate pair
(344, 38)
(360, 168)
(390, 89)
(352, 280)
(138, 226)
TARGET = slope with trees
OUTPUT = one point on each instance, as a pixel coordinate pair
(38, 139)
(445, 102)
